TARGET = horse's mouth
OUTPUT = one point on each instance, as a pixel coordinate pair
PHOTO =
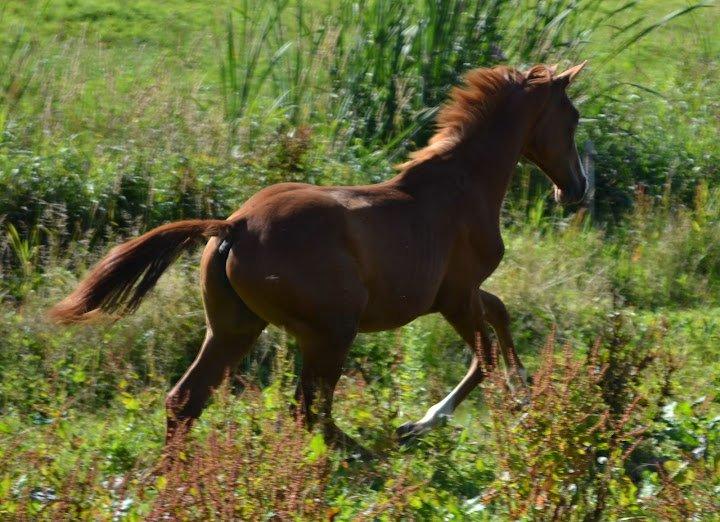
(565, 197)
(571, 197)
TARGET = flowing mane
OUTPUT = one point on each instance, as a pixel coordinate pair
(471, 104)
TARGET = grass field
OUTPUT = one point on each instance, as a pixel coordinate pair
(118, 116)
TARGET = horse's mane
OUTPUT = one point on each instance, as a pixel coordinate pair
(471, 104)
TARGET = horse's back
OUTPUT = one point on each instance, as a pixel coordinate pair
(308, 251)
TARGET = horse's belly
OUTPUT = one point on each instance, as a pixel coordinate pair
(378, 322)
(394, 307)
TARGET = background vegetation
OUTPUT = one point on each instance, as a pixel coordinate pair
(118, 116)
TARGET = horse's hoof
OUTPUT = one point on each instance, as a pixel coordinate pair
(354, 451)
(520, 404)
(408, 432)
(361, 455)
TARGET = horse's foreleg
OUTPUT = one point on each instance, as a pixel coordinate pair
(497, 315)
(470, 322)
(440, 411)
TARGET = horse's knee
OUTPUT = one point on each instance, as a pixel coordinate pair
(183, 402)
(495, 310)
(172, 402)
(178, 420)
(175, 404)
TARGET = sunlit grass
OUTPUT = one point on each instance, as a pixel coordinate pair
(118, 116)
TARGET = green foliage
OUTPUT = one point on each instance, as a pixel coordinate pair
(611, 428)
(308, 93)
(568, 452)
(113, 119)
(670, 257)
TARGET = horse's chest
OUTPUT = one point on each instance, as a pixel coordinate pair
(474, 259)
(487, 258)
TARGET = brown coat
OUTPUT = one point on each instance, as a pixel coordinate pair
(328, 262)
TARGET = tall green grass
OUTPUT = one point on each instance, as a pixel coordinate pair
(382, 68)
(108, 130)
(325, 93)
(308, 91)
(15, 71)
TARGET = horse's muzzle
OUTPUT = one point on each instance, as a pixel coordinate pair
(575, 194)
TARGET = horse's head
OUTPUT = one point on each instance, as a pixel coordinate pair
(550, 143)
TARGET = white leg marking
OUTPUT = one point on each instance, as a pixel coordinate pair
(438, 412)
(524, 376)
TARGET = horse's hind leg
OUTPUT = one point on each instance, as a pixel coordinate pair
(231, 330)
(323, 358)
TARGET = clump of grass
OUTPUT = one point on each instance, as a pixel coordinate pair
(668, 256)
(580, 449)
(561, 454)
(569, 453)
(235, 474)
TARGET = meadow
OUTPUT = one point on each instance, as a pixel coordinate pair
(117, 116)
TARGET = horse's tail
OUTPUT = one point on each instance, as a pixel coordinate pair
(121, 280)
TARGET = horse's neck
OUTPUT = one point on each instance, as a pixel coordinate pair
(474, 176)
(489, 161)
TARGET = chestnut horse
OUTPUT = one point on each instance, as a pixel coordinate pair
(328, 262)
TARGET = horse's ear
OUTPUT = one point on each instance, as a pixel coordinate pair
(566, 78)
(538, 75)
